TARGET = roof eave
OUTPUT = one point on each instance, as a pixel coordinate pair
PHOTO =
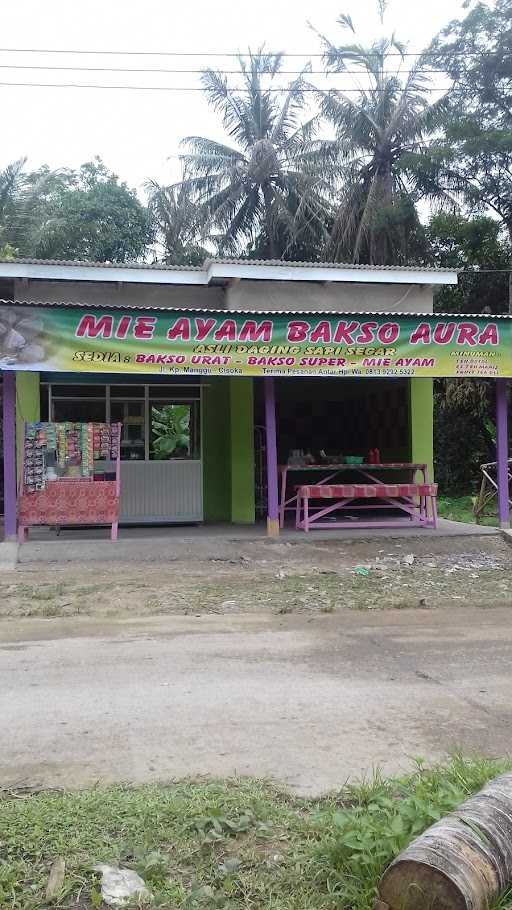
(251, 314)
(248, 270)
(127, 275)
(223, 271)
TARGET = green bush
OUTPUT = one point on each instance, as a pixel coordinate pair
(464, 434)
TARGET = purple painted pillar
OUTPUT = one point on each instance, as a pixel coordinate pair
(9, 437)
(502, 452)
(271, 440)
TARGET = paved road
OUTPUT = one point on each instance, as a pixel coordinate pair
(306, 700)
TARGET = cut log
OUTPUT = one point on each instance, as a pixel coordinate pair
(463, 862)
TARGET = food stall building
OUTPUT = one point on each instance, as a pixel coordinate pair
(219, 373)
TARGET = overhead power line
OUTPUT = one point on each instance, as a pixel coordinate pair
(194, 88)
(224, 72)
(236, 54)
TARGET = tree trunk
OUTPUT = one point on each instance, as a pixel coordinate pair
(463, 862)
(267, 196)
(509, 226)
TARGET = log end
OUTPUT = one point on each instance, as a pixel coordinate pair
(411, 885)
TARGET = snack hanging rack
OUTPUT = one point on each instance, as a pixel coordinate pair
(62, 480)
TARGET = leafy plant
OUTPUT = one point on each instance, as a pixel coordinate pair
(152, 865)
(204, 897)
(171, 430)
(382, 817)
(216, 826)
(474, 157)
(474, 245)
(68, 214)
(461, 411)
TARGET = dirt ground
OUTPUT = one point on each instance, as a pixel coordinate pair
(283, 577)
(307, 700)
(326, 658)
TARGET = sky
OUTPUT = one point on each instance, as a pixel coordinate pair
(138, 133)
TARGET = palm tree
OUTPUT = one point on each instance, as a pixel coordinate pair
(380, 130)
(25, 228)
(175, 218)
(11, 181)
(260, 190)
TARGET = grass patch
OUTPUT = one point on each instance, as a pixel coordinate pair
(432, 582)
(460, 508)
(238, 844)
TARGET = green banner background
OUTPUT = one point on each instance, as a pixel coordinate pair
(75, 339)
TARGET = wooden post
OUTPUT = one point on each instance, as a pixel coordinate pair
(9, 438)
(272, 478)
(502, 452)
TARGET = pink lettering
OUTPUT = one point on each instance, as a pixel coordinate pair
(388, 332)
(444, 332)
(344, 332)
(180, 329)
(204, 327)
(367, 333)
(226, 331)
(144, 327)
(321, 332)
(123, 326)
(467, 333)
(297, 331)
(92, 326)
(489, 335)
(421, 334)
(251, 331)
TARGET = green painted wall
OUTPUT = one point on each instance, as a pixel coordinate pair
(227, 441)
(216, 450)
(228, 450)
(242, 450)
(27, 403)
(422, 422)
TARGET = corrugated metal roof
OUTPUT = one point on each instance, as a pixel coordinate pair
(207, 310)
(160, 266)
(106, 265)
(326, 265)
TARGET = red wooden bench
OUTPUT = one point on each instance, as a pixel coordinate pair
(410, 499)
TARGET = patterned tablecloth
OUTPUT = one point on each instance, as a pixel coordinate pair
(70, 502)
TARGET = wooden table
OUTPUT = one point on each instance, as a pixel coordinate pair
(328, 472)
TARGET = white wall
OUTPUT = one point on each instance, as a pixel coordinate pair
(359, 298)
(115, 294)
(244, 295)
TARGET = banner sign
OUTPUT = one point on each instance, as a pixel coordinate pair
(75, 339)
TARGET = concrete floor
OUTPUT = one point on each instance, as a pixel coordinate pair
(306, 700)
(154, 543)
